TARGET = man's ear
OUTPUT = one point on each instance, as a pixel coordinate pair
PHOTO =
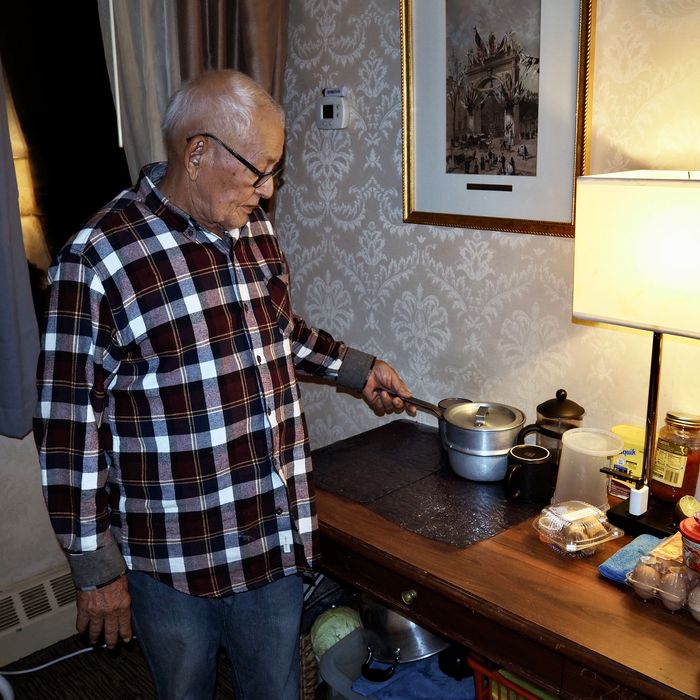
(193, 156)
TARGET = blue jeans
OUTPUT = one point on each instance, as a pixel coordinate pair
(180, 636)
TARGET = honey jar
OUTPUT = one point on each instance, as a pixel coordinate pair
(677, 457)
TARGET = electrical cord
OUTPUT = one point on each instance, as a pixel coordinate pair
(51, 663)
(6, 692)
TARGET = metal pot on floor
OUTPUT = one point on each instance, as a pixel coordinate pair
(393, 639)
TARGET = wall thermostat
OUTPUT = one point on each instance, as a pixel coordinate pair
(331, 112)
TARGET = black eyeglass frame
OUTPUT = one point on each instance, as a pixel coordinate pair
(262, 177)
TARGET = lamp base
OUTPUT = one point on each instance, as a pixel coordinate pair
(658, 520)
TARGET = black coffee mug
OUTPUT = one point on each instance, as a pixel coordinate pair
(529, 474)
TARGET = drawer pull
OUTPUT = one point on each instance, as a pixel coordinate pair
(409, 596)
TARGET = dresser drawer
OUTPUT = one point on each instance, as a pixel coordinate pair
(445, 614)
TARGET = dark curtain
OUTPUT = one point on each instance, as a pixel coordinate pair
(60, 88)
(52, 56)
(19, 335)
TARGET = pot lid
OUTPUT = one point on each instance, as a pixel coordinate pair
(560, 407)
(478, 415)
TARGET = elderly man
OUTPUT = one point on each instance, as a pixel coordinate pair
(174, 453)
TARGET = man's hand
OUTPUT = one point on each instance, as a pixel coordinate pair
(107, 608)
(383, 376)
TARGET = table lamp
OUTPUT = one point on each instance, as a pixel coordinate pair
(637, 264)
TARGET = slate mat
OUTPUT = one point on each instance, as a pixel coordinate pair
(370, 465)
(401, 472)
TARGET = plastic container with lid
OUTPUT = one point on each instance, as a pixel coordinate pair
(690, 533)
(663, 575)
(677, 457)
(575, 526)
(585, 451)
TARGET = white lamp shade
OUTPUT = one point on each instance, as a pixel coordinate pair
(637, 250)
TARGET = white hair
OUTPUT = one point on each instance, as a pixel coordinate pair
(223, 101)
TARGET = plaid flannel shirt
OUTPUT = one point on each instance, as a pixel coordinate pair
(169, 423)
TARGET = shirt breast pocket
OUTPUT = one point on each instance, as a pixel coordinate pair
(278, 289)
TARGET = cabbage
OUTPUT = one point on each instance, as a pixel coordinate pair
(331, 626)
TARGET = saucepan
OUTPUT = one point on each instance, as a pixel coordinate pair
(477, 435)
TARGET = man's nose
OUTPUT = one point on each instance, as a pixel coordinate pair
(266, 189)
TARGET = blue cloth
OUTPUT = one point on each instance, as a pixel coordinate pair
(625, 559)
(418, 680)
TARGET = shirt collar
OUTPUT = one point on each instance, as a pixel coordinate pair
(147, 189)
(176, 219)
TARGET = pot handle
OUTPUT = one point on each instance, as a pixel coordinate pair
(420, 403)
(480, 417)
(379, 675)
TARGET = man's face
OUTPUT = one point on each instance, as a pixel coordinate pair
(223, 195)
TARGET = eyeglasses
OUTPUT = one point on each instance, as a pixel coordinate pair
(261, 178)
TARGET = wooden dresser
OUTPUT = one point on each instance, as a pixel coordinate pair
(546, 616)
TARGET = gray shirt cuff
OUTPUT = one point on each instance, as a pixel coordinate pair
(91, 570)
(354, 371)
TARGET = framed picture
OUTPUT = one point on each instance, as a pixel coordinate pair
(495, 112)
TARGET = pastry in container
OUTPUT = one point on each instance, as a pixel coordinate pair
(575, 527)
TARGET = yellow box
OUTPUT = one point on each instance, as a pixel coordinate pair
(630, 460)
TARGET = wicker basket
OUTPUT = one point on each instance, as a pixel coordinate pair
(309, 669)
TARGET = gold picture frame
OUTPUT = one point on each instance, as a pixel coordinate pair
(556, 116)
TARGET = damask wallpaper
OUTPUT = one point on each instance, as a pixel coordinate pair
(459, 312)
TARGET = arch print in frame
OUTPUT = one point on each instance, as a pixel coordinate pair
(495, 102)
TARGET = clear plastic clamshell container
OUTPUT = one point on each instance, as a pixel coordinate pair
(673, 583)
(663, 575)
(575, 527)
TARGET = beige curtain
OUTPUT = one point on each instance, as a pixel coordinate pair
(140, 40)
(157, 44)
(248, 35)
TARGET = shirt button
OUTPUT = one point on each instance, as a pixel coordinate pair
(246, 308)
(279, 511)
(258, 358)
(269, 411)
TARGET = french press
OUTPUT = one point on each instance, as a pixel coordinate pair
(554, 417)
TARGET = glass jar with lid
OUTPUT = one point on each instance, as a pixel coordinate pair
(677, 457)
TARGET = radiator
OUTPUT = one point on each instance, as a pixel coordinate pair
(36, 613)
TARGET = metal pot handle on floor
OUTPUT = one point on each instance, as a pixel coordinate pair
(379, 675)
